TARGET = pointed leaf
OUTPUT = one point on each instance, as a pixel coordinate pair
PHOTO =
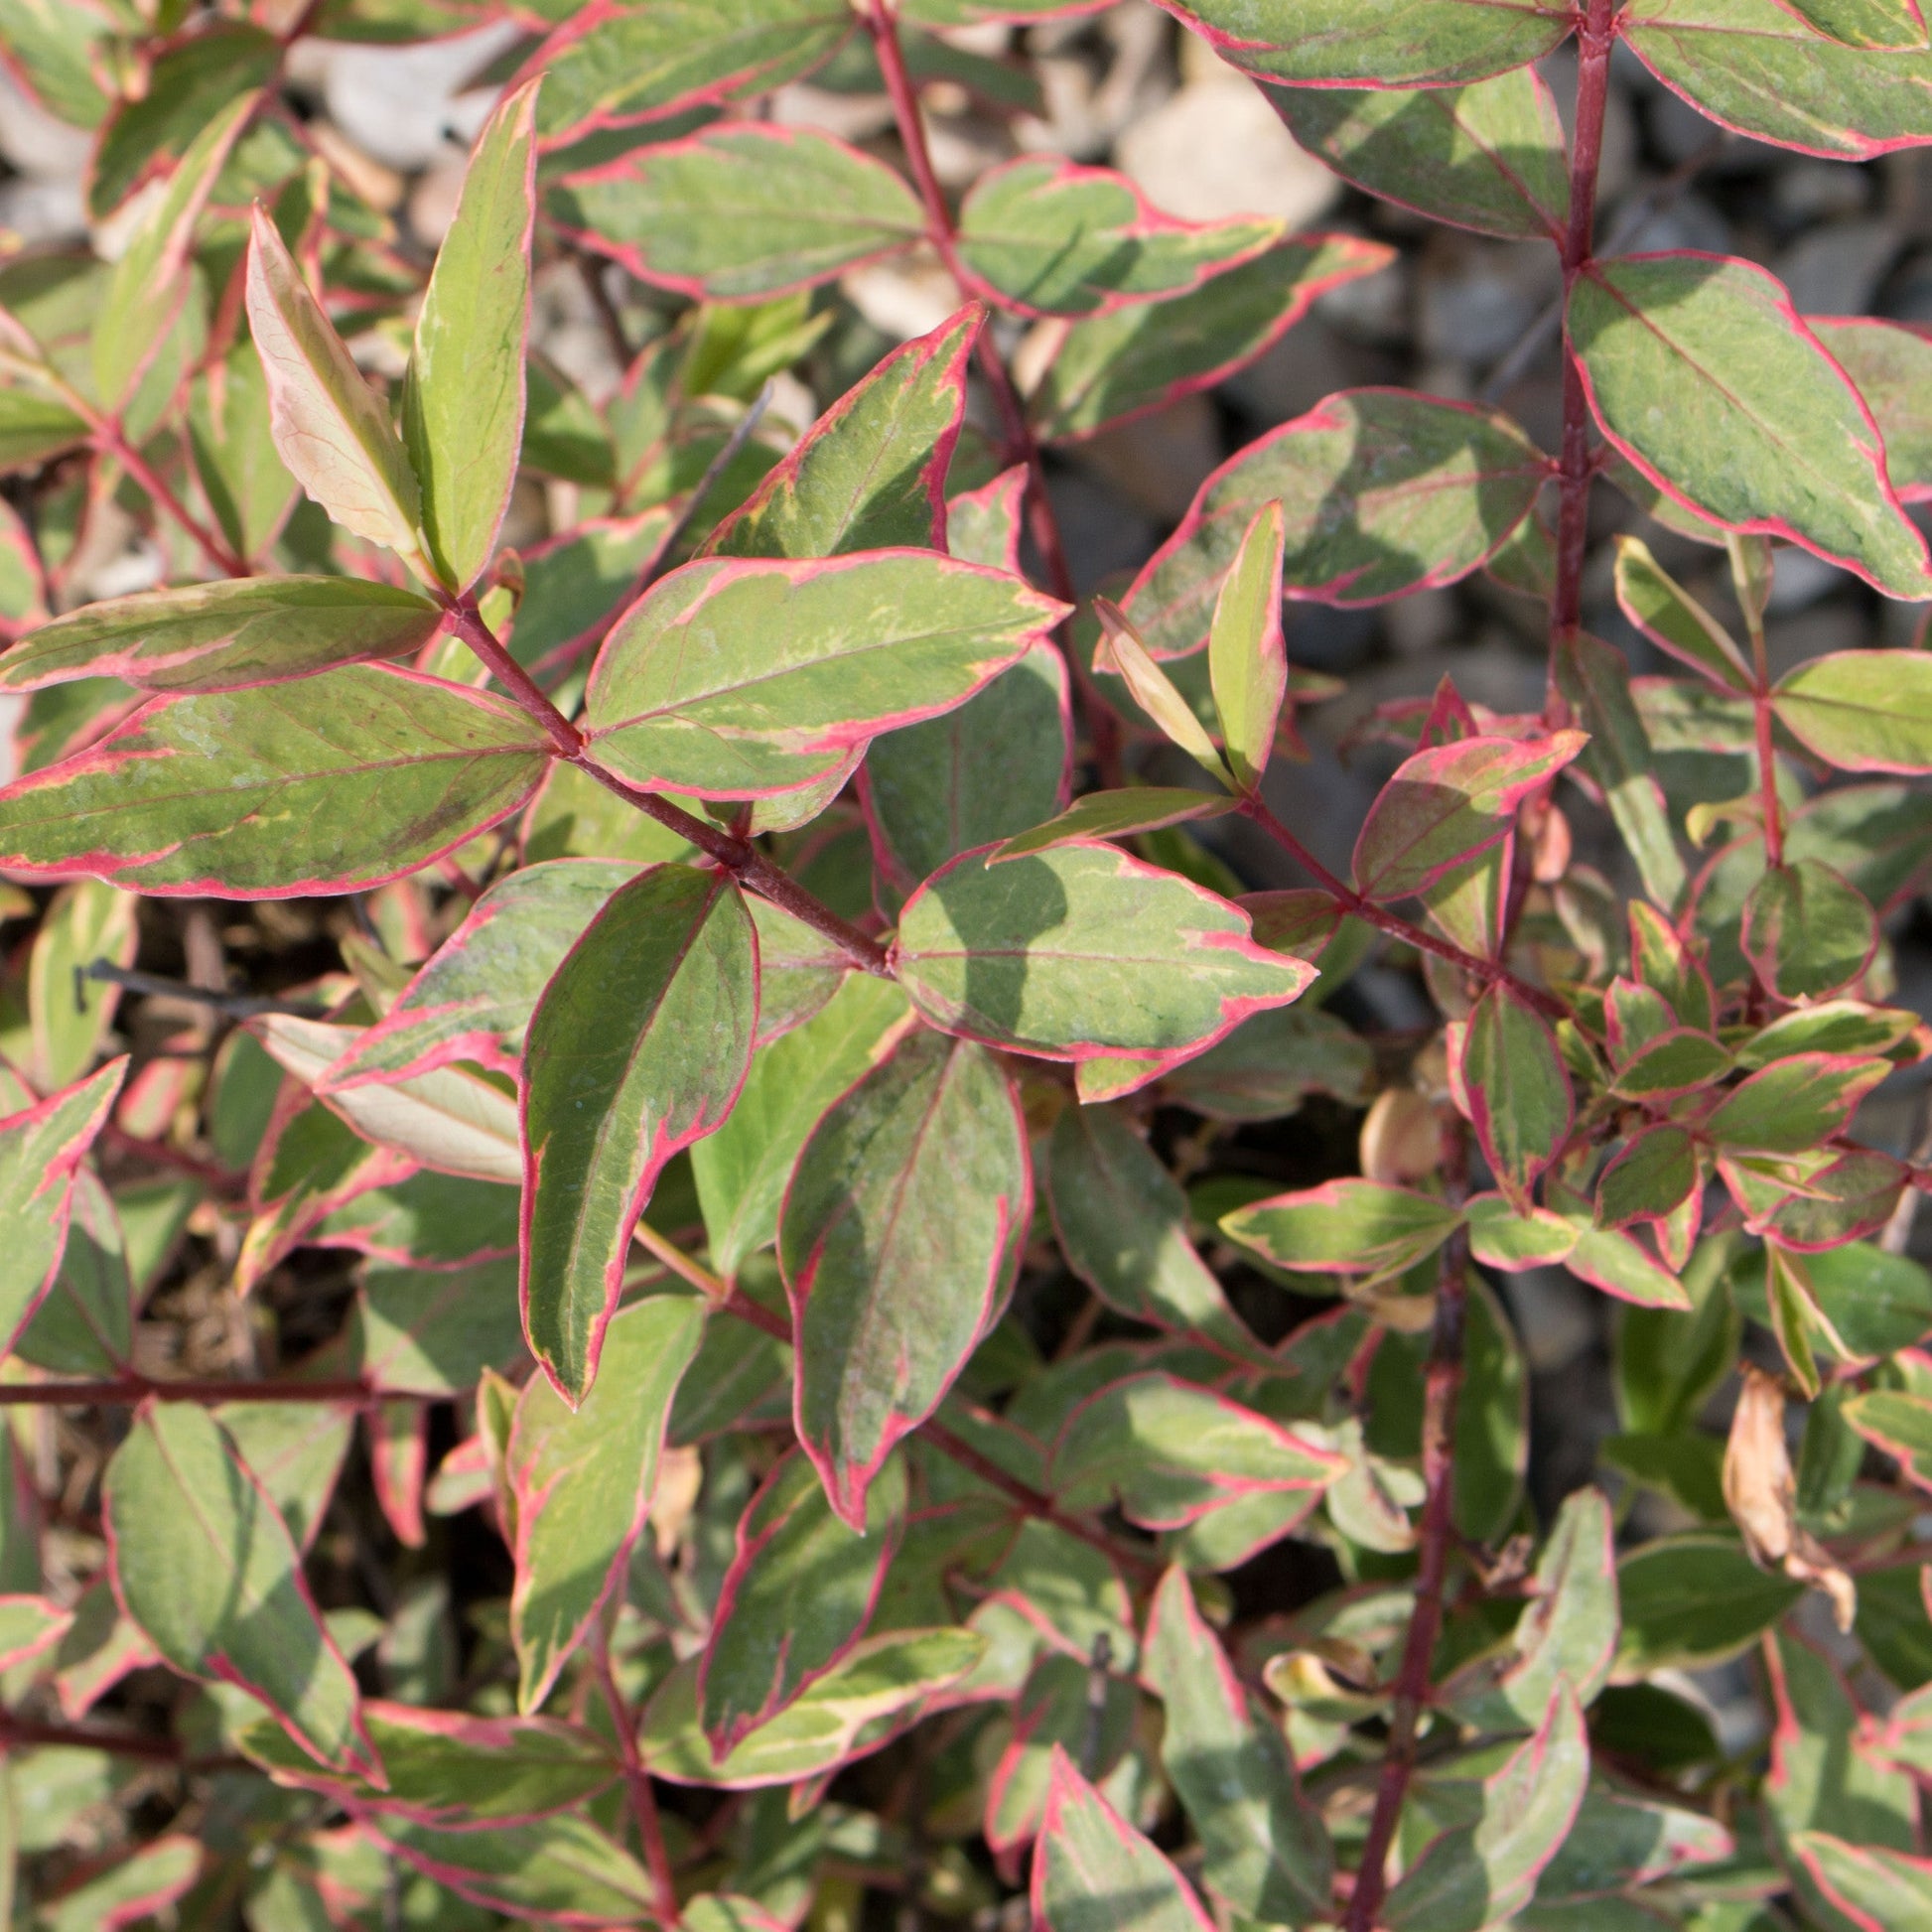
(1445, 805)
(41, 1151)
(741, 679)
(874, 1695)
(474, 998)
(1862, 711)
(30, 1625)
(206, 1568)
(68, 1015)
(1890, 366)
(1694, 1600)
(1382, 493)
(1758, 67)
(232, 441)
(871, 473)
(1384, 42)
(1122, 1223)
(899, 1239)
(1704, 375)
(582, 1481)
(86, 1324)
(742, 213)
(797, 1596)
(1808, 930)
(1794, 1104)
(1512, 1080)
(1674, 620)
(1153, 691)
(1488, 157)
(742, 1171)
(1486, 1873)
(1094, 1872)
(332, 784)
(333, 431)
(558, 1870)
(1355, 1226)
(1055, 239)
(1266, 1855)
(1115, 815)
(141, 1887)
(1881, 24)
(463, 404)
(636, 1049)
(995, 765)
(1246, 655)
(150, 281)
(1110, 368)
(1082, 952)
(223, 636)
(1878, 1890)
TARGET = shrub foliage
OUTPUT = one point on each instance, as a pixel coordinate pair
(767, 1201)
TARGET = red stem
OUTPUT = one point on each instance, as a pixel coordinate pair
(1596, 33)
(127, 1390)
(1022, 445)
(644, 1798)
(1393, 924)
(1443, 1383)
(742, 860)
(110, 441)
(122, 1743)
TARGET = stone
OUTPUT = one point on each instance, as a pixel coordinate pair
(1216, 148)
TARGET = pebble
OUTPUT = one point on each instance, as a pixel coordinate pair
(1216, 148)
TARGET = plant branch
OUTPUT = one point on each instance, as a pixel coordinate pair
(109, 441)
(19, 1732)
(737, 856)
(1595, 34)
(125, 1391)
(1391, 923)
(1443, 1384)
(1022, 446)
(644, 1798)
(237, 1006)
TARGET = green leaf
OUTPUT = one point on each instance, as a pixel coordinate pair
(871, 473)
(1890, 366)
(1082, 952)
(1649, 1178)
(447, 1769)
(742, 213)
(1674, 620)
(1899, 1422)
(51, 47)
(1484, 1874)
(141, 1885)
(1055, 239)
(1094, 1872)
(71, 1014)
(208, 1571)
(1869, 1884)
(1350, 1226)
(635, 63)
(331, 428)
(1384, 42)
(84, 1326)
(189, 84)
(1594, 678)
(873, 1695)
(899, 1239)
(30, 1625)
(1703, 374)
(1808, 930)
(328, 784)
(1793, 1104)
(434, 1330)
(1267, 1855)
(738, 679)
(1122, 1223)
(464, 400)
(991, 768)
(636, 1049)
(1125, 652)
(1115, 815)
(1382, 493)
(449, 1118)
(40, 1149)
(1502, 1235)
(549, 1869)
(1246, 655)
(223, 636)
(581, 1482)
(232, 442)
(1450, 803)
(1878, 23)
(1489, 157)
(1112, 367)
(742, 1169)
(150, 281)
(1168, 1452)
(1694, 1600)
(1862, 711)
(1514, 1086)
(797, 1596)
(35, 429)
(1757, 67)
